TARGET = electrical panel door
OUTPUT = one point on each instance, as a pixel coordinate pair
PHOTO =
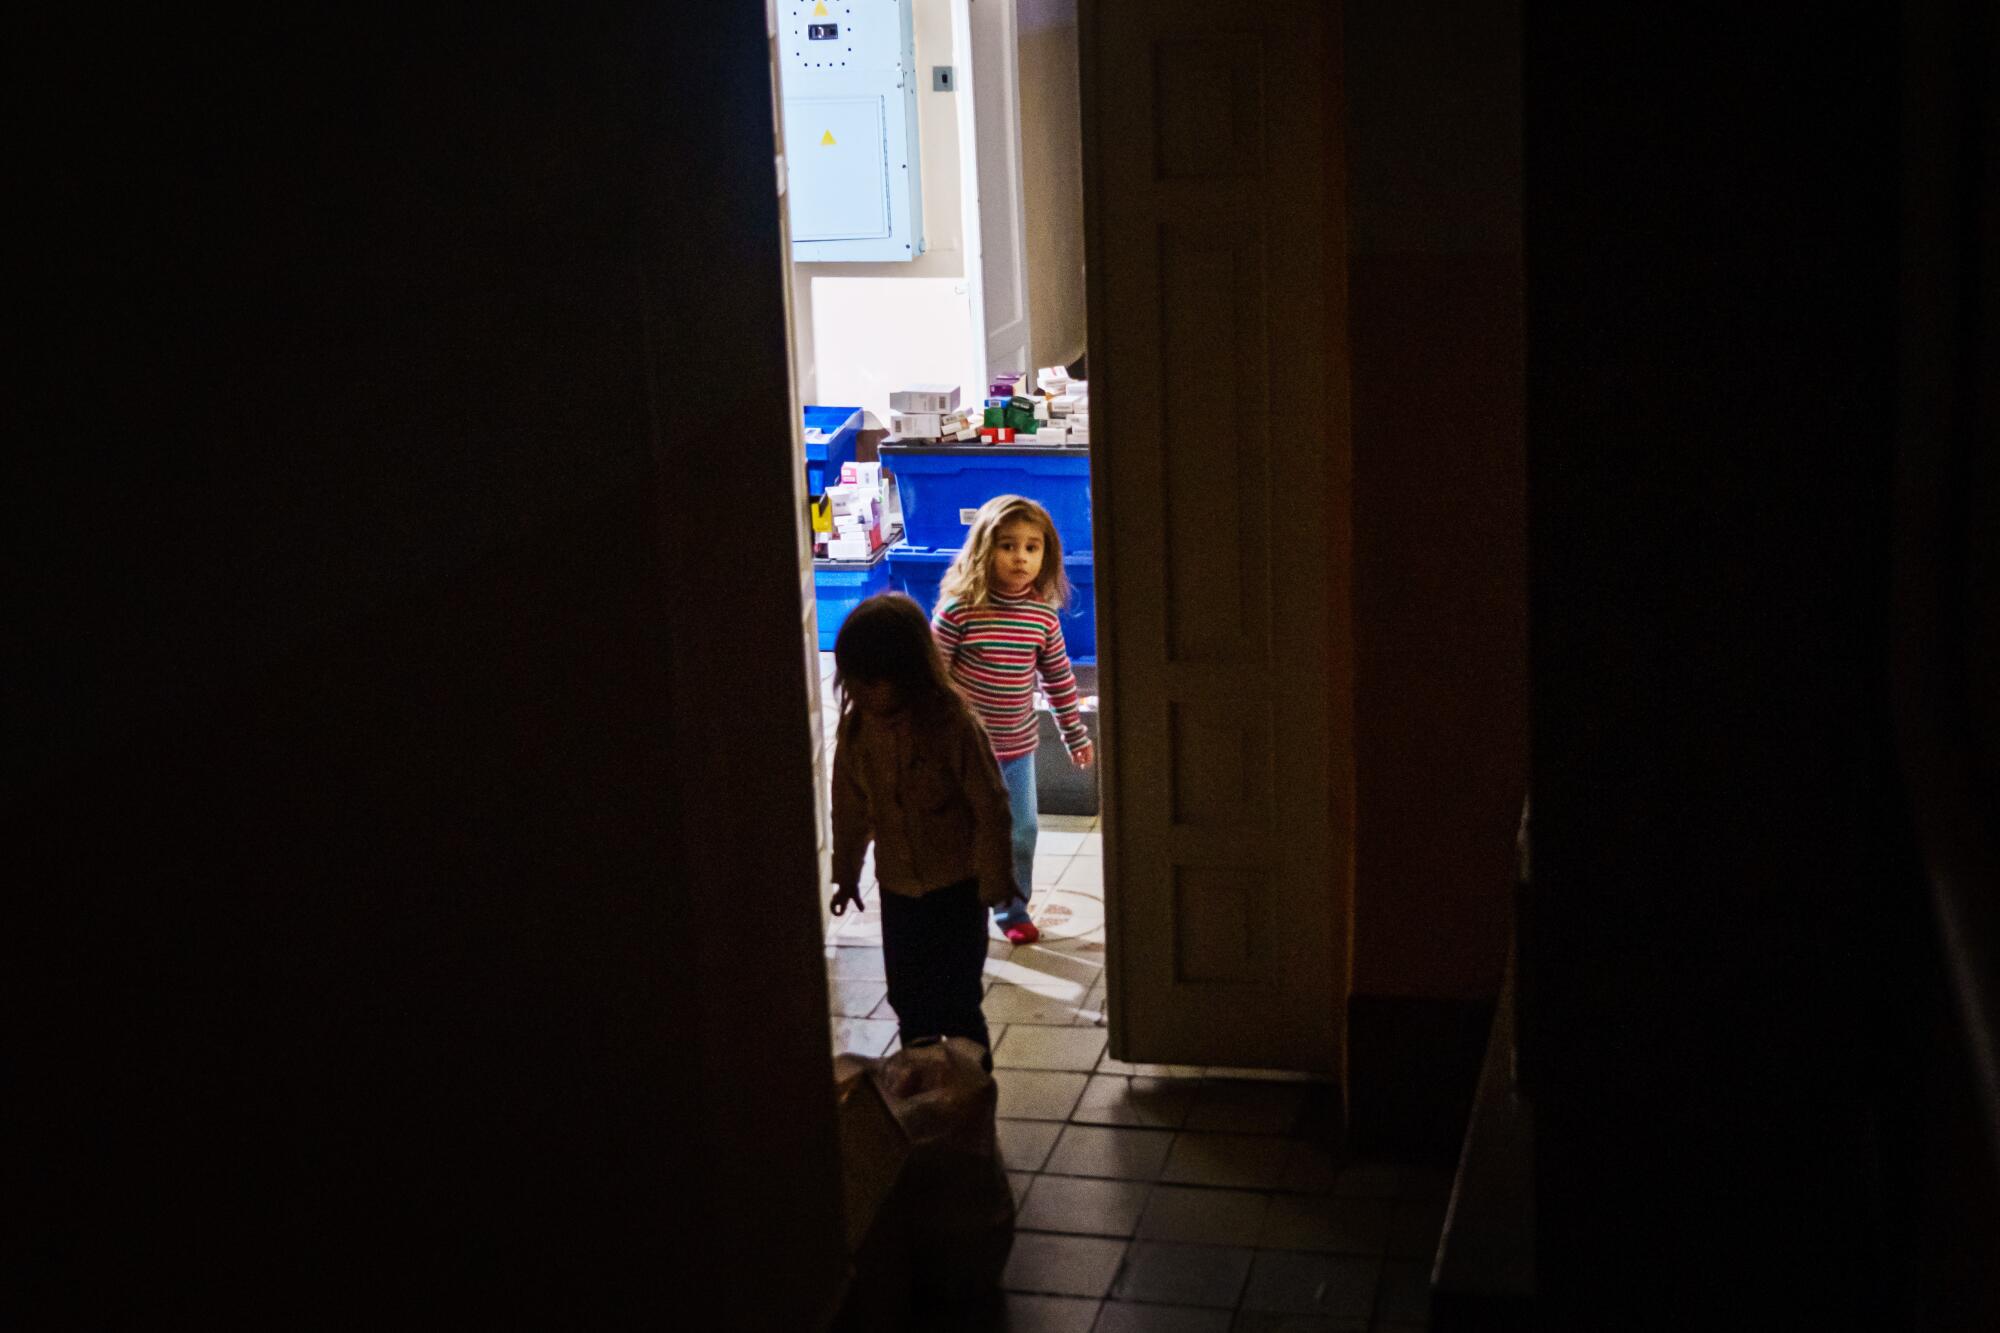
(853, 184)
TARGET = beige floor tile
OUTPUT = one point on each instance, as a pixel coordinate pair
(1058, 1265)
(1203, 1216)
(854, 998)
(1092, 845)
(1025, 1144)
(1083, 872)
(856, 963)
(1322, 1222)
(862, 1036)
(1234, 1107)
(1231, 1161)
(1084, 1206)
(1029, 1047)
(1049, 870)
(1123, 1154)
(1048, 1005)
(1026, 1312)
(1033, 966)
(1122, 1316)
(1147, 1103)
(1064, 914)
(1058, 842)
(1172, 1274)
(1038, 1094)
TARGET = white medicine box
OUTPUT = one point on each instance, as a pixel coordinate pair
(853, 186)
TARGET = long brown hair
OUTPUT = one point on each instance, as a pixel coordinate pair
(888, 638)
(970, 577)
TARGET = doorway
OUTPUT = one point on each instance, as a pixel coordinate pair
(1219, 885)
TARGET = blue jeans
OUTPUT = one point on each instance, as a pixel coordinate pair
(1019, 775)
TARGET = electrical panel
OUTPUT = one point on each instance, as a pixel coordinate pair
(853, 185)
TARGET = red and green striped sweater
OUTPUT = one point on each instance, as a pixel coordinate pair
(995, 652)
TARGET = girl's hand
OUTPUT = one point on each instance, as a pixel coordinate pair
(1083, 756)
(843, 896)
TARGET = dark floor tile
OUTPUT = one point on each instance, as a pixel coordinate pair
(1151, 1103)
(1295, 1282)
(1025, 1144)
(1095, 1150)
(1086, 1206)
(1131, 1317)
(1017, 1312)
(1370, 1180)
(1310, 1168)
(1413, 1233)
(1237, 1107)
(1166, 1274)
(1264, 1321)
(1325, 1222)
(1195, 1216)
(1062, 1265)
(1230, 1161)
(1406, 1292)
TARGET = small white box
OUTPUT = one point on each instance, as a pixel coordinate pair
(848, 548)
(1081, 388)
(967, 435)
(917, 425)
(1063, 404)
(932, 398)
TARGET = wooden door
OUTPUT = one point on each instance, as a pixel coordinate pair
(1216, 288)
(1003, 224)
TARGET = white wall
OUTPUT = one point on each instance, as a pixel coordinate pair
(944, 254)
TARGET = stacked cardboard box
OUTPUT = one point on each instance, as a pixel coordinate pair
(929, 412)
(856, 525)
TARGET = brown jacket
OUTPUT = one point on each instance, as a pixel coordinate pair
(926, 788)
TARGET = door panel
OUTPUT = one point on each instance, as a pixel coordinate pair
(1207, 165)
(1003, 224)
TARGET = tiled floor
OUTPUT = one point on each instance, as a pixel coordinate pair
(1156, 1199)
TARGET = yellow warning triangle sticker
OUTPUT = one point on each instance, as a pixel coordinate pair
(826, 140)
(819, 10)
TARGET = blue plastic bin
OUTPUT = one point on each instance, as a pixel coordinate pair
(917, 571)
(841, 585)
(941, 486)
(824, 458)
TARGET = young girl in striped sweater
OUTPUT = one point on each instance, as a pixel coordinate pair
(998, 627)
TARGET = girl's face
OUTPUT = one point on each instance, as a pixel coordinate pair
(1017, 556)
(876, 697)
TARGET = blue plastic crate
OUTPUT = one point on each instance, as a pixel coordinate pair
(841, 425)
(940, 487)
(841, 585)
(918, 570)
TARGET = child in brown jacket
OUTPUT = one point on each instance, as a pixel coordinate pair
(914, 772)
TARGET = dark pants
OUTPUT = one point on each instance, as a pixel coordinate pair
(934, 950)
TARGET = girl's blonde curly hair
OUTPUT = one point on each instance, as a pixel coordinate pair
(969, 579)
